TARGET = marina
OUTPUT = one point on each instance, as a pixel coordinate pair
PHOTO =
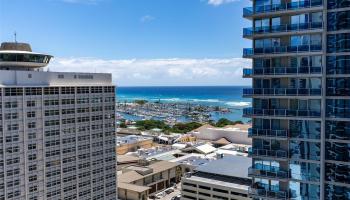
(171, 112)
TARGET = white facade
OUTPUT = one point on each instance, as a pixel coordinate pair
(57, 136)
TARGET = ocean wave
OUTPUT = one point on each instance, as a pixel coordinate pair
(167, 99)
(238, 104)
(205, 100)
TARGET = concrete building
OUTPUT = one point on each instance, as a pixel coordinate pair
(233, 133)
(225, 178)
(132, 143)
(57, 130)
(138, 182)
(301, 106)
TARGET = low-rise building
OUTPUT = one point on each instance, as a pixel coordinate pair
(225, 178)
(132, 143)
(138, 182)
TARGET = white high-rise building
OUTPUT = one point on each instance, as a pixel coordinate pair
(57, 130)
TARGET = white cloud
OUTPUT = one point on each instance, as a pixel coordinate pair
(172, 71)
(147, 18)
(219, 2)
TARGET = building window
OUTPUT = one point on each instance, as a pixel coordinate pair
(31, 125)
(33, 91)
(33, 178)
(13, 91)
(12, 104)
(31, 114)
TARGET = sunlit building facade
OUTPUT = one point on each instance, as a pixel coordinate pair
(300, 98)
(57, 132)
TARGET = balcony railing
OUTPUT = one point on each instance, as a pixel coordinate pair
(281, 92)
(267, 133)
(248, 52)
(247, 72)
(249, 112)
(270, 194)
(248, 32)
(338, 91)
(267, 153)
(259, 171)
(249, 11)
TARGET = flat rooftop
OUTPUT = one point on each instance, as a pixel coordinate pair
(131, 139)
(229, 165)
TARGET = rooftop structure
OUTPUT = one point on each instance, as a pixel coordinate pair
(203, 148)
(233, 133)
(19, 56)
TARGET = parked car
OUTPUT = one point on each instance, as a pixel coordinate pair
(178, 197)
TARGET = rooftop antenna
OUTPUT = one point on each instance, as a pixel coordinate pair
(15, 34)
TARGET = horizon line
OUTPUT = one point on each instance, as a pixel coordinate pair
(183, 86)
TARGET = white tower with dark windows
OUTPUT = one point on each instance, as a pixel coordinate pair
(57, 130)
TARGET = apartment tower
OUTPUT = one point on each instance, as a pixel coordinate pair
(57, 130)
(300, 98)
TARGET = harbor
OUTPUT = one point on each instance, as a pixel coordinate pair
(171, 113)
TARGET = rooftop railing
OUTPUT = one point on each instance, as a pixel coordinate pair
(249, 11)
(337, 91)
(249, 112)
(281, 92)
(248, 52)
(248, 32)
(247, 72)
(267, 133)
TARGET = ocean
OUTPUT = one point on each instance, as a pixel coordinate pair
(224, 96)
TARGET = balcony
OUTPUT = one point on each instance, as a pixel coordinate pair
(259, 170)
(338, 91)
(250, 11)
(250, 112)
(255, 132)
(268, 153)
(248, 92)
(269, 194)
(249, 52)
(247, 72)
(249, 32)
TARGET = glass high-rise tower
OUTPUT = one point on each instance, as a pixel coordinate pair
(300, 98)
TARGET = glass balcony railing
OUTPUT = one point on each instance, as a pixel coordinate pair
(259, 170)
(249, 112)
(249, 11)
(338, 91)
(248, 52)
(247, 72)
(248, 32)
(270, 194)
(267, 133)
(281, 92)
(267, 153)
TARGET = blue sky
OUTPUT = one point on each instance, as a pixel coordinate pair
(142, 42)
